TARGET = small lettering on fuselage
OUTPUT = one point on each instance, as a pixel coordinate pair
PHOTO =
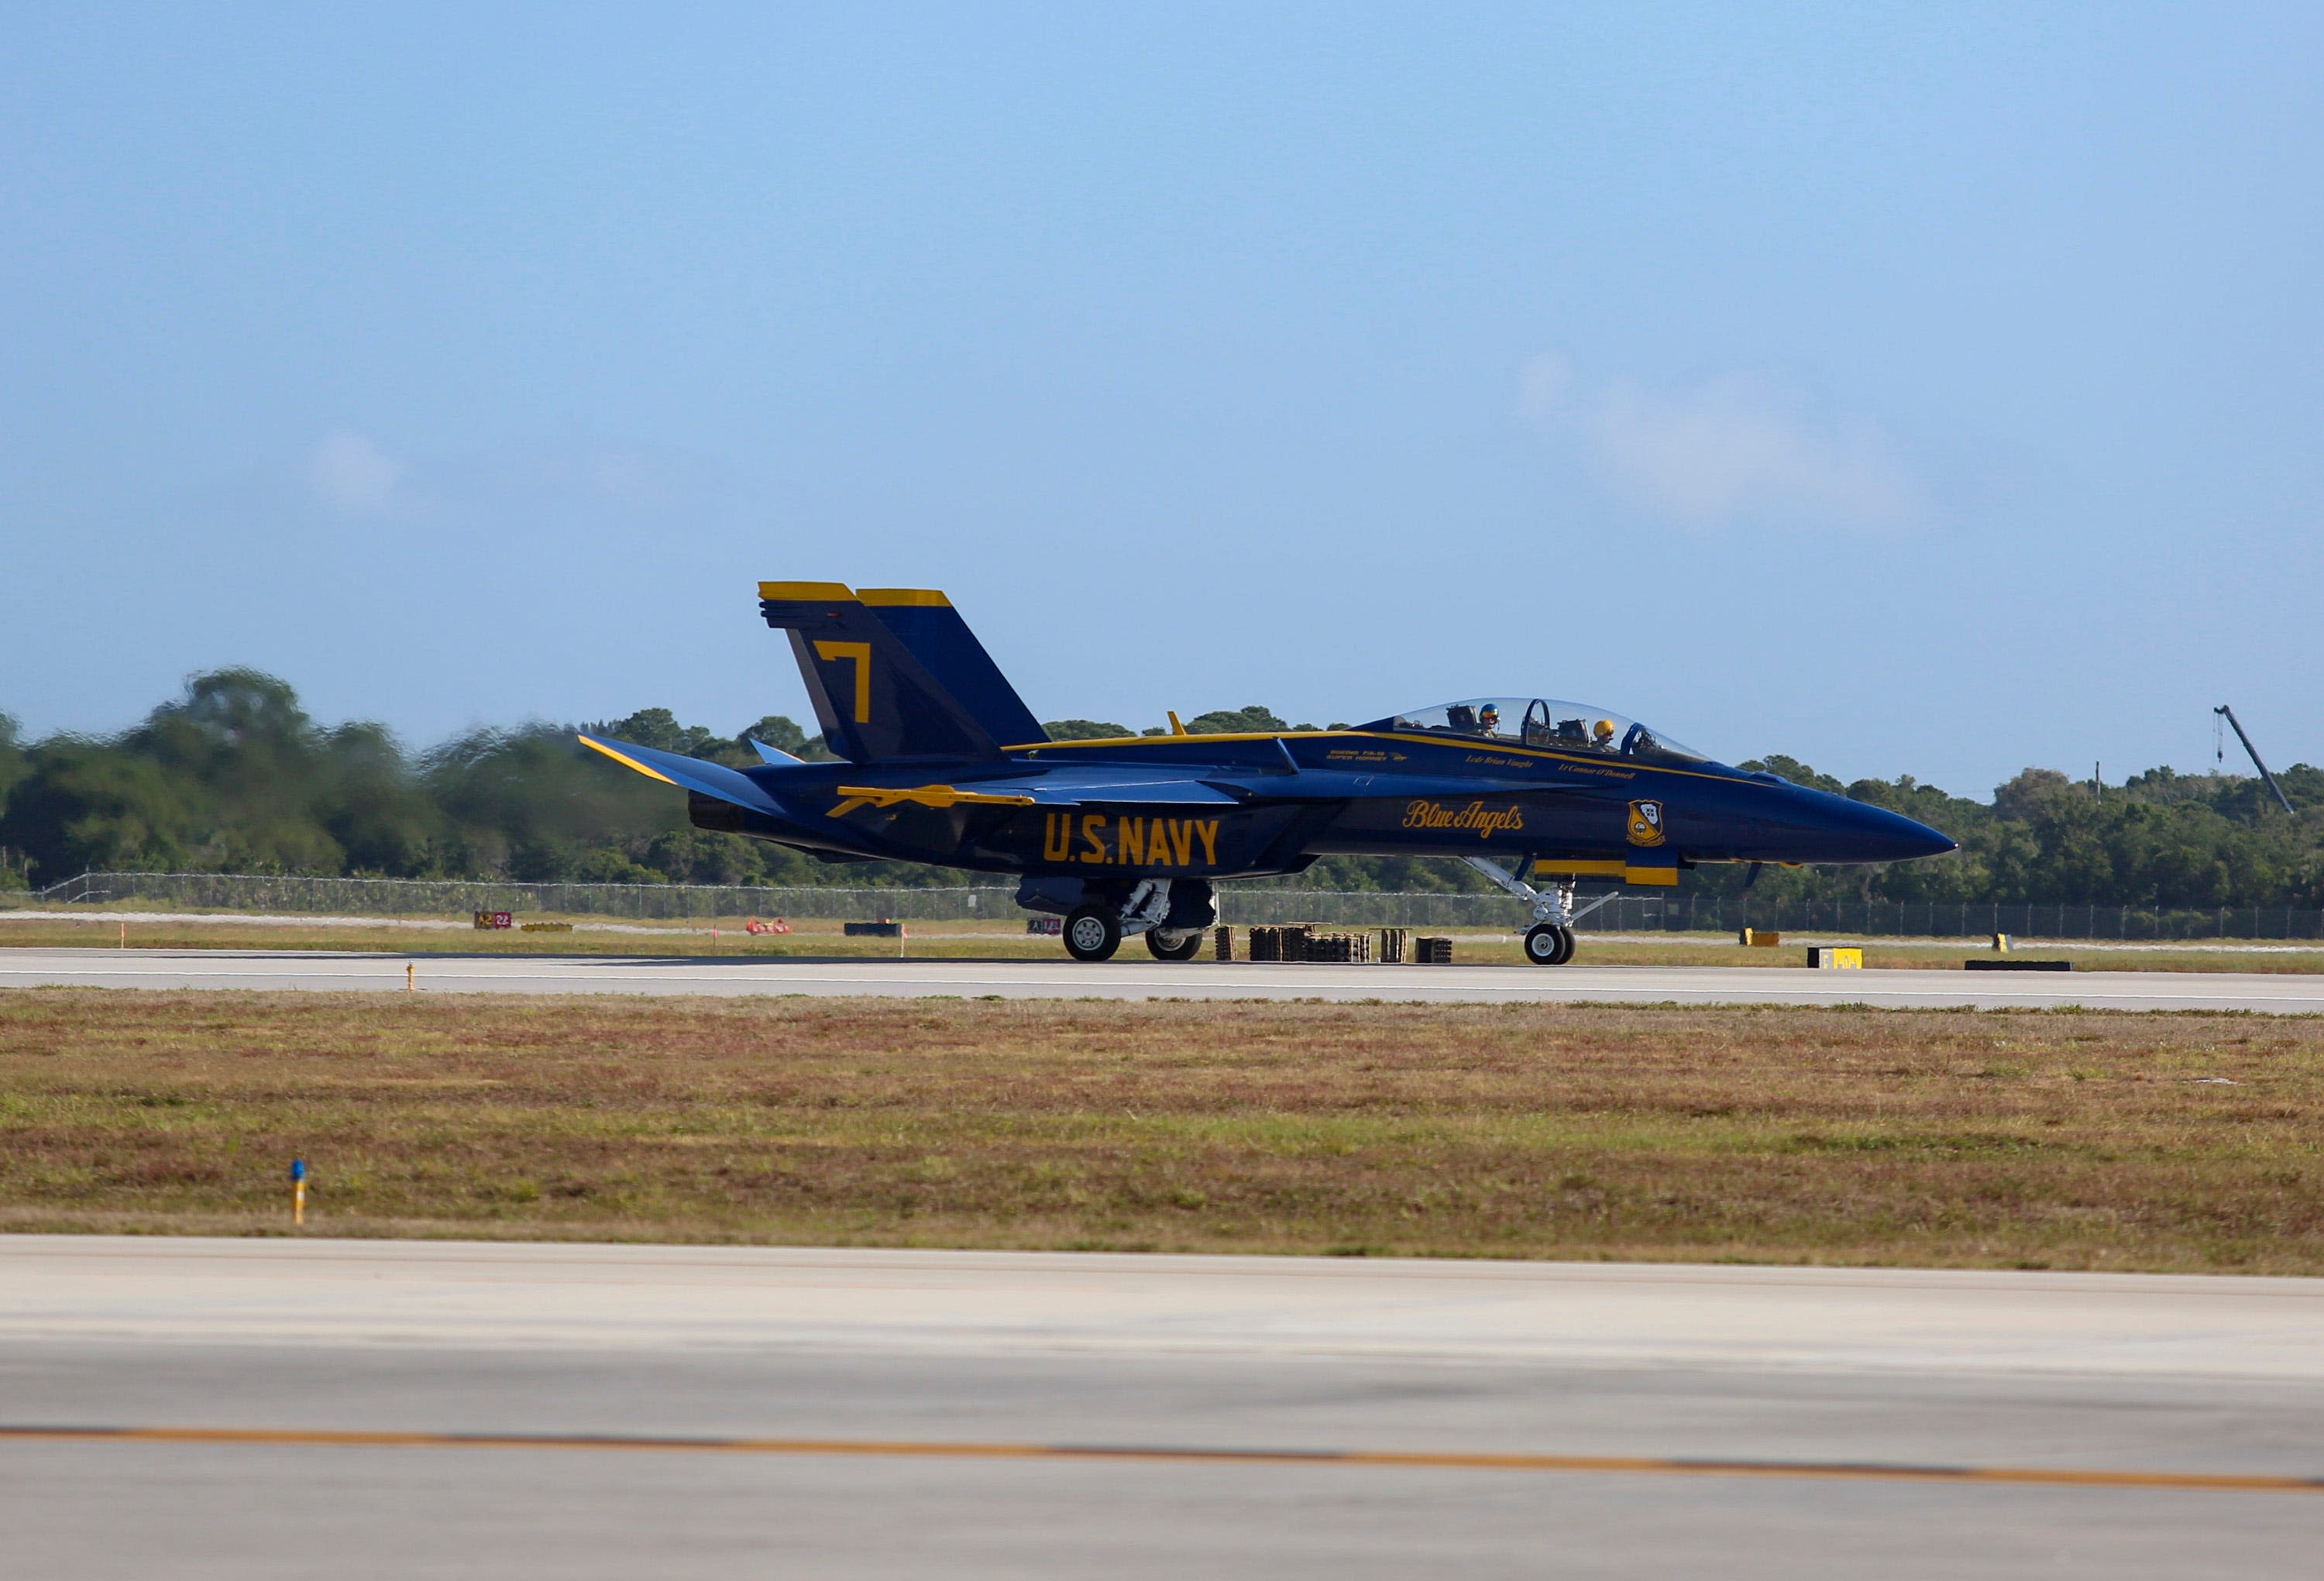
(1486, 822)
(1100, 840)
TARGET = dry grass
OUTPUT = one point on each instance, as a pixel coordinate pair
(1989, 1139)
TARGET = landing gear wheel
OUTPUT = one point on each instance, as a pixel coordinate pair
(1091, 933)
(1167, 945)
(1549, 945)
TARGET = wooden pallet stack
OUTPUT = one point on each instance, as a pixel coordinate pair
(1308, 941)
(1286, 943)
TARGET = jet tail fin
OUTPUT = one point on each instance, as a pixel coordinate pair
(873, 696)
(925, 621)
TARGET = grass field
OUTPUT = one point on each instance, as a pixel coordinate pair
(2028, 1139)
(596, 935)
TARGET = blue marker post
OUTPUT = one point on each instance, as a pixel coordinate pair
(298, 1190)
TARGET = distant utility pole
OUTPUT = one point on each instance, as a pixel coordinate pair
(2237, 725)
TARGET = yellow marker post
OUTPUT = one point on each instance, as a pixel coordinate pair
(125, 935)
(408, 969)
(298, 1190)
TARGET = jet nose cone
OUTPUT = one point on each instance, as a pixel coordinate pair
(1936, 842)
(1838, 830)
(1898, 839)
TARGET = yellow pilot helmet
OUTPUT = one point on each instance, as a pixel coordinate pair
(1603, 730)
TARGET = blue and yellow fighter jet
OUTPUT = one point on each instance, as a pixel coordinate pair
(945, 764)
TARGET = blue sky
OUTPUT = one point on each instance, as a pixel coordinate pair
(1911, 389)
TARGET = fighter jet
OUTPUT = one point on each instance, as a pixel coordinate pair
(943, 764)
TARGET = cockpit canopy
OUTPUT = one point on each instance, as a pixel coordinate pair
(1543, 722)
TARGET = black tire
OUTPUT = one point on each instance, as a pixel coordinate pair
(1091, 933)
(1549, 945)
(1189, 941)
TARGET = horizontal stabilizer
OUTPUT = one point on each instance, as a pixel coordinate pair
(710, 779)
(773, 757)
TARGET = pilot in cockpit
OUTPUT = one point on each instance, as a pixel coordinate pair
(1489, 719)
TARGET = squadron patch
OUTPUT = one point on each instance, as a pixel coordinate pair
(1646, 822)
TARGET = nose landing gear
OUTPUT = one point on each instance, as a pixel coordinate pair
(1550, 941)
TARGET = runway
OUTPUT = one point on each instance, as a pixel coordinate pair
(2284, 993)
(247, 1408)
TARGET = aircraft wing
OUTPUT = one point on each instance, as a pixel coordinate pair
(1116, 783)
(1096, 785)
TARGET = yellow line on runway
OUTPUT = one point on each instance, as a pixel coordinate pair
(1413, 1459)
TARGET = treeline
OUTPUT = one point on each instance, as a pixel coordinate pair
(2162, 838)
(234, 776)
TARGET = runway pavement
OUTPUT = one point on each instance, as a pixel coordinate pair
(277, 1408)
(2283, 993)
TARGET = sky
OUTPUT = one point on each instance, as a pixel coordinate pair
(1910, 389)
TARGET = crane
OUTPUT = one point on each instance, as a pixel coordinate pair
(2224, 711)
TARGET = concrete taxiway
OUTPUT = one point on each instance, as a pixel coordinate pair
(249, 1408)
(2283, 993)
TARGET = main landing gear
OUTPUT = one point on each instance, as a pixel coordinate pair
(1174, 944)
(1092, 932)
(1173, 914)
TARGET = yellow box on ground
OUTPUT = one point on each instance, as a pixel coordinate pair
(1836, 958)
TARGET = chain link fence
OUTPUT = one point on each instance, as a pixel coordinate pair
(1243, 904)
(1712, 913)
(267, 893)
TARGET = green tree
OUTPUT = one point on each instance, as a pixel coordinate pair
(1252, 720)
(1084, 730)
(86, 805)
